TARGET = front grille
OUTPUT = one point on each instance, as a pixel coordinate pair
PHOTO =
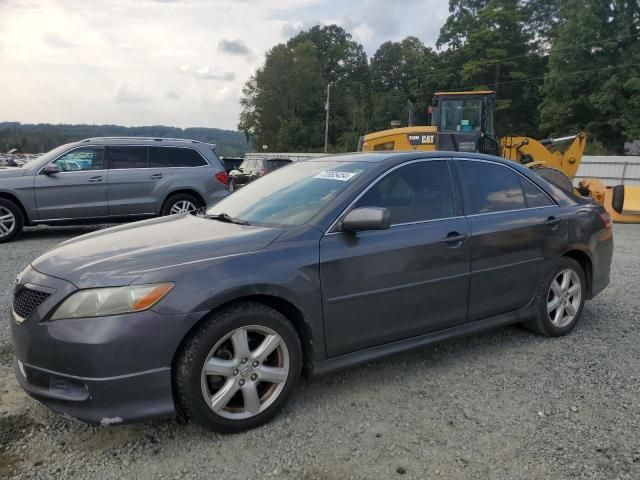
(27, 301)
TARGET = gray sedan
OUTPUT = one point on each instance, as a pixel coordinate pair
(317, 266)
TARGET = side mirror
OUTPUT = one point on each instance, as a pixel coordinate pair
(51, 169)
(233, 173)
(366, 218)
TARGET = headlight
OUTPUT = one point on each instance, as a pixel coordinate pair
(100, 302)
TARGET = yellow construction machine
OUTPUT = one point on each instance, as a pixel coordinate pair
(464, 122)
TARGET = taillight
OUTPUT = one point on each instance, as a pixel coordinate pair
(222, 177)
(263, 172)
(606, 219)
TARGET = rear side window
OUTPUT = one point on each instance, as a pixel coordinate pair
(413, 193)
(184, 157)
(128, 157)
(158, 157)
(535, 197)
(489, 187)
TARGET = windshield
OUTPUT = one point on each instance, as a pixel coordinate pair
(290, 196)
(460, 115)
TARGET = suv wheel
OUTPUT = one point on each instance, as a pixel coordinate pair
(238, 369)
(11, 220)
(181, 203)
(559, 300)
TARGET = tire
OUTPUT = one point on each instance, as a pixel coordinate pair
(563, 322)
(11, 220)
(233, 395)
(617, 200)
(556, 177)
(180, 203)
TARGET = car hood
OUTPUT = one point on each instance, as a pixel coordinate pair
(7, 172)
(119, 255)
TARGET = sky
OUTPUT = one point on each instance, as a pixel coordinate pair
(168, 62)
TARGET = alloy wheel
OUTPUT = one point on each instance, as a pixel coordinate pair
(245, 372)
(7, 222)
(182, 206)
(563, 298)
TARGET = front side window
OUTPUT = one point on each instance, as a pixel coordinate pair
(291, 196)
(489, 187)
(413, 193)
(128, 157)
(460, 115)
(81, 159)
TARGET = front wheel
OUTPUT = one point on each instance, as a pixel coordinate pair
(238, 368)
(560, 299)
(11, 220)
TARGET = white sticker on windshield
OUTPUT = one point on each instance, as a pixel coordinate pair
(335, 175)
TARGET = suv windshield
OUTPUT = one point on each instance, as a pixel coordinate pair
(290, 196)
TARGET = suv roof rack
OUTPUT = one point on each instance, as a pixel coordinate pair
(155, 139)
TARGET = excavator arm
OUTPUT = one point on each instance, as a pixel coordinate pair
(535, 153)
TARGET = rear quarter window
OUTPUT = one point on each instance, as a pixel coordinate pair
(184, 157)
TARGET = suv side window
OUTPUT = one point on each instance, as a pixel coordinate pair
(128, 157)
(82, 159)
(184, 157)
(489, 187)
(413, 193)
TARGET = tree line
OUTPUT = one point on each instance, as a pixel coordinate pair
(38, 138)
(558, 67)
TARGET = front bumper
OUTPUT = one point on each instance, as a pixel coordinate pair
(105, 370)
(100, 401)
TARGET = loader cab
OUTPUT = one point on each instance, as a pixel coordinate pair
(465, 121)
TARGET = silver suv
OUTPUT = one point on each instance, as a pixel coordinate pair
(110, 179)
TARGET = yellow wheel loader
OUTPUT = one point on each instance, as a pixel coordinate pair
(464, 122)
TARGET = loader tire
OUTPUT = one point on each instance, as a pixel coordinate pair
(556, 177)
(617, 200)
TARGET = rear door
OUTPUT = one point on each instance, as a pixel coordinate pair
(78, 191)
(386, 285)
(139, 179)
(516, 232)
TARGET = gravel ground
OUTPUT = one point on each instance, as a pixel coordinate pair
(505, 404)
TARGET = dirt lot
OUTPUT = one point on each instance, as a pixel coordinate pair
(505, 404)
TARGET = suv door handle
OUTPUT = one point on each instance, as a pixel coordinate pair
(552, 222)
(156, 176)
(455, 239)
(95, 179)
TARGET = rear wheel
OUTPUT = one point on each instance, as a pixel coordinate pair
(181, 203)
(11, 220)
(238, 369)
(559, 300)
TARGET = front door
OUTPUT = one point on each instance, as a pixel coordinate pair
(381, 286)
(78, 191)
(516, 232)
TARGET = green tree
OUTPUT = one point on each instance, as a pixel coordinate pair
(490, 42)
(283, 103)
(593, 82)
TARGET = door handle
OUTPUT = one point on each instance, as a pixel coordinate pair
(552, 222)
(95, 179)
(455, 239)
(156, 176)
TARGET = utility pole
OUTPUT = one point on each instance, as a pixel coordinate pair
(326, 120)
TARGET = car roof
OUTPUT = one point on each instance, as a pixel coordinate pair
(138, 140)
(396, 156)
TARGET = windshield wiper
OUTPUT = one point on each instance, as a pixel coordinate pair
(225, 217)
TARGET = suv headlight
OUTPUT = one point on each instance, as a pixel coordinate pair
(101, 302)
